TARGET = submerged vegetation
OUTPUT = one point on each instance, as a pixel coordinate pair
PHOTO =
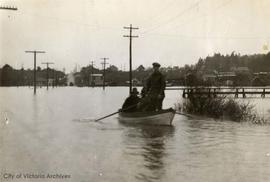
(222, 108)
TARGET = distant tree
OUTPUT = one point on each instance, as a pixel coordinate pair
(7, 67)
(7, 75)
(140, 68)
(112, 68)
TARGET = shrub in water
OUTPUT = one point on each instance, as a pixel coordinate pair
(221, 107)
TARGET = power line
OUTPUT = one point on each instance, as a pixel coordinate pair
(161, 12)
(174, 17)
(69, 21)
(221, 5)
(209, 37)
(185, 11)
(130, 36)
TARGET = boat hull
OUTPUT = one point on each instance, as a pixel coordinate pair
(164, 117)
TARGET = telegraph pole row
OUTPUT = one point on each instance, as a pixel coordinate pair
(47, 63)
(104, 66)
(130, 36)
(35, 55)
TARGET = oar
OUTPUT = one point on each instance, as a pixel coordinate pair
(115, 113)
(96, 120)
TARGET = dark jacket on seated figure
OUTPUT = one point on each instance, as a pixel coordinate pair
(130, 104)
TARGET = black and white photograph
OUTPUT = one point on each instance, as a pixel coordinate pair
(134, 90)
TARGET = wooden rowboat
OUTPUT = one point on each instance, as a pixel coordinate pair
(163, 117)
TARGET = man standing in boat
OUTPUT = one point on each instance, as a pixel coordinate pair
(155, 87)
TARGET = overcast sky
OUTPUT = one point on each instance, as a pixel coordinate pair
(172, 32)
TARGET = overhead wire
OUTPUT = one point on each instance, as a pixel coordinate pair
(65, 20)
(150, 31)
(194, 5)
(198, 17)
(161, 13)
(70, 21)
(205, 15)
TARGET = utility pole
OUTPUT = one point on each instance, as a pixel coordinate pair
(47, 63)
(54, 78)
(35, 55)
(130, 36)
(104, 66)
(92, 72)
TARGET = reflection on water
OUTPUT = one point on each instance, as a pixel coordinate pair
(148, 142)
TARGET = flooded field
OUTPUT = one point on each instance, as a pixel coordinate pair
(53, 133)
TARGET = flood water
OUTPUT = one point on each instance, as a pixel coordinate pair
(53, 133)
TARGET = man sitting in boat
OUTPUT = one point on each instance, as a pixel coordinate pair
(130, 104)
(154, 89)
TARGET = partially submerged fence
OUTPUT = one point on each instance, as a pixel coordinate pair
(221, 91)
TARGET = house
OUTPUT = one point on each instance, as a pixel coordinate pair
(96, 79)
(41, 81)
(240, 69)
(136, 82)
(260, 79)
(224, 78)
(261, 74)
(78, 79)
(209, 78)
(51, 81)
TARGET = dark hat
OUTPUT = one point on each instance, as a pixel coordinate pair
(134, 91)
(155, 64)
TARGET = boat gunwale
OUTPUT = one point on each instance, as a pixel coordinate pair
(145, 114)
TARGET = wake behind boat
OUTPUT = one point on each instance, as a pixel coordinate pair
(162, 117)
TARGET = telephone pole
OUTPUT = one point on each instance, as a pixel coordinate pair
(54, 79)
(92, 72)
(47, 63)
(104, 66)
(130, 36)
(35, 55)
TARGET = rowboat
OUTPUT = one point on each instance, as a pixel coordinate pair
(162, 117)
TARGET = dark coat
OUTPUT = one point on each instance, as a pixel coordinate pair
(155, 87)
(130, 104)
(156, 84)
